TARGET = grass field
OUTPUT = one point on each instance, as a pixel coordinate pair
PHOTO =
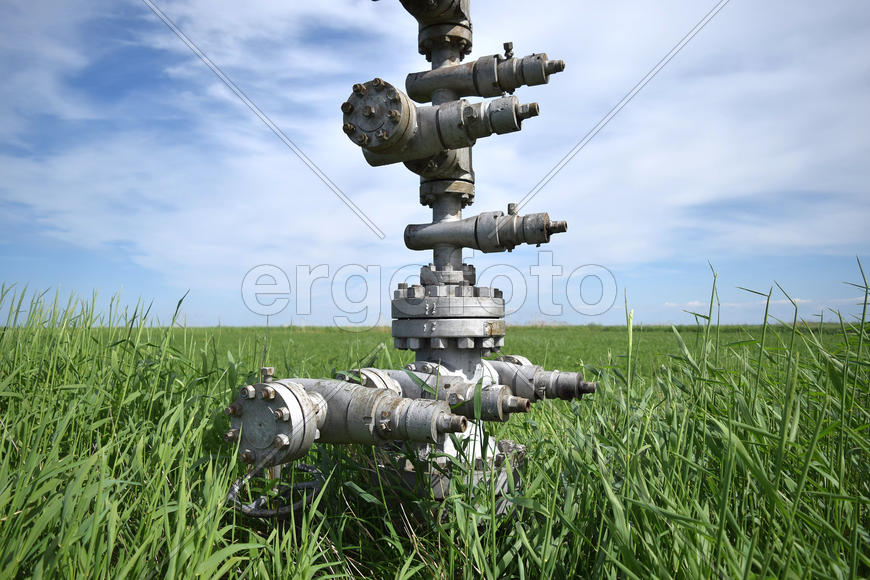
(707, 452)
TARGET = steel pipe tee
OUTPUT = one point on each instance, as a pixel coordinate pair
(390, 128)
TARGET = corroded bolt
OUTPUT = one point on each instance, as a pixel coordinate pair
(448, 423)
(554, 66)
(378, 83)
(427, 368)
(394, 115)
(368, 111)
(385, 426)
(557, 227)
(281, 440)
(514, 404)
(528, 111)
(231, 436)
(362, 139)
(267, 374)
(349, 128)
(393, 96)
(282, 414)
(268, 393)
(359, 89)
(248, 392)
(249, 456)
(382, 134)
(233, 410)
(346, 108)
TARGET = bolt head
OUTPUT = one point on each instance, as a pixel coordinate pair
(248, 392)
(346, 108)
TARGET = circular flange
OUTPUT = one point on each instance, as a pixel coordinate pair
(276, 425)
(448, 307)
(377, 115)
(449, 327)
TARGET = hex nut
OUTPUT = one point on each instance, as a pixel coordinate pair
(248, 392)
(249, 456)
(268, 393)
(282, 414)
(281, 440)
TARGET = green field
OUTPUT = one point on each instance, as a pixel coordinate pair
(707, 452)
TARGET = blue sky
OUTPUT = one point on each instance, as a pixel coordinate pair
(126, 165)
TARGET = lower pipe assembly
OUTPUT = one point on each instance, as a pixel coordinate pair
(450, 323)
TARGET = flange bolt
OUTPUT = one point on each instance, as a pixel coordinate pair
(231, 436)
(346, 108)
(233, 410)
(268, 393)
(249, 456)
(349, 128)
(248, 392)
(359, 89)
(282, 414)
(281, 440)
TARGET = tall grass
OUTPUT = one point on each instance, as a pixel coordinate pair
(718, 457)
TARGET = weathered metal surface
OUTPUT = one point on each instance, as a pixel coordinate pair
(449, 321)
(488, 76)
